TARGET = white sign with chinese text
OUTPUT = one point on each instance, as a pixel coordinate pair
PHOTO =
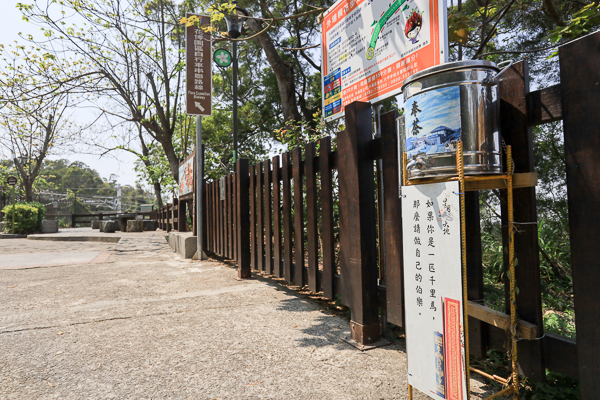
(433, 290)
(370, 47)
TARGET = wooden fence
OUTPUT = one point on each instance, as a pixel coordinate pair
(88, 218)
(173, 216)
(276, 217)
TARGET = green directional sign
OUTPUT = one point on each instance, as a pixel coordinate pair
(222, 57)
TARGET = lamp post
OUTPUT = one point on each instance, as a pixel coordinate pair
(235, 22)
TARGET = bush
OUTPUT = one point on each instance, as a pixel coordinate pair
(26, 218)
(41, 213)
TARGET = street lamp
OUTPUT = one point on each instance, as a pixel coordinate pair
(235, 22)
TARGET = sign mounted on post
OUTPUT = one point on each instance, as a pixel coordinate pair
(198, 74)
(222, 57)
(186, 176)
(11, 180)
(370, 47)
(434, 290)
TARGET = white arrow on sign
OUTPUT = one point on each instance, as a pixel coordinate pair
(199, 106)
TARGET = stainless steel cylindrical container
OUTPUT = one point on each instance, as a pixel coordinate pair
(447, 103)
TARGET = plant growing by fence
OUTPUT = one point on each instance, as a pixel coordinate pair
(25, 217)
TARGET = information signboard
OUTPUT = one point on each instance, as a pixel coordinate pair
(11, 180)
(186, 176)
(370, 47)
(198, 63)
(433, 290)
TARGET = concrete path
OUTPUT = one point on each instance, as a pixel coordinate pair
(145, 324)
(36, 260)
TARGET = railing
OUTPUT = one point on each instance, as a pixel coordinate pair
(88, 218)
(173, 216)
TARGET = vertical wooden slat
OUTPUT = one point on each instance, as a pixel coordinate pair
(580, 79)
(234, 219)
(243, 218)
(230, 216)
(183, 216)
(327, 238)
(260, 224)
(213, 215)
(312, 235)
(477, 329)
(253, 217)
(298, 217)
(219, 218)
(208, 221)
(514, 86)
(287, 217)
(224, 218)
(268, 220)
(357, 203)
(276, 174)
(392, 220)
(169, 217)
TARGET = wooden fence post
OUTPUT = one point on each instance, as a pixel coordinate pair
(514, 86)
(242, 206)
(327, 234)
(357, 208)
(580, 82)
(260, 218)
(277, 253)
(287, 217)
(267, 207)
(393, 220)
(253, 258)
(182, 216)
(312, 235)
(298, 217)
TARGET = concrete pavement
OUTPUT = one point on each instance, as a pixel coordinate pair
(146, 324)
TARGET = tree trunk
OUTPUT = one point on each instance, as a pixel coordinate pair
(157, 191)
(171, 156)
(28, 186)
(284, 73)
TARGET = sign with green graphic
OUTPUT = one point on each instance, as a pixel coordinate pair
(222, 57)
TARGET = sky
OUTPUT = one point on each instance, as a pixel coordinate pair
(120, 163)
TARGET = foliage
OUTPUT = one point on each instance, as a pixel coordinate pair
(79, 188)
(41, 213)
(26, 218)
(556, 386)
(583, 22)
(33, 122)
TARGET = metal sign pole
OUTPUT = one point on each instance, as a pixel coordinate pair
(235, 101)
(199, 183)
(13, 213)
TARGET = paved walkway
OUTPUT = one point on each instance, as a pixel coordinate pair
(146, 324)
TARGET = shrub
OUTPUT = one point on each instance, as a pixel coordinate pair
(41, 213)
(26, 218)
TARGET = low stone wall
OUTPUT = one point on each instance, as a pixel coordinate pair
(150, 225)
(134, 225)
(183, 243)
(49, 226)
